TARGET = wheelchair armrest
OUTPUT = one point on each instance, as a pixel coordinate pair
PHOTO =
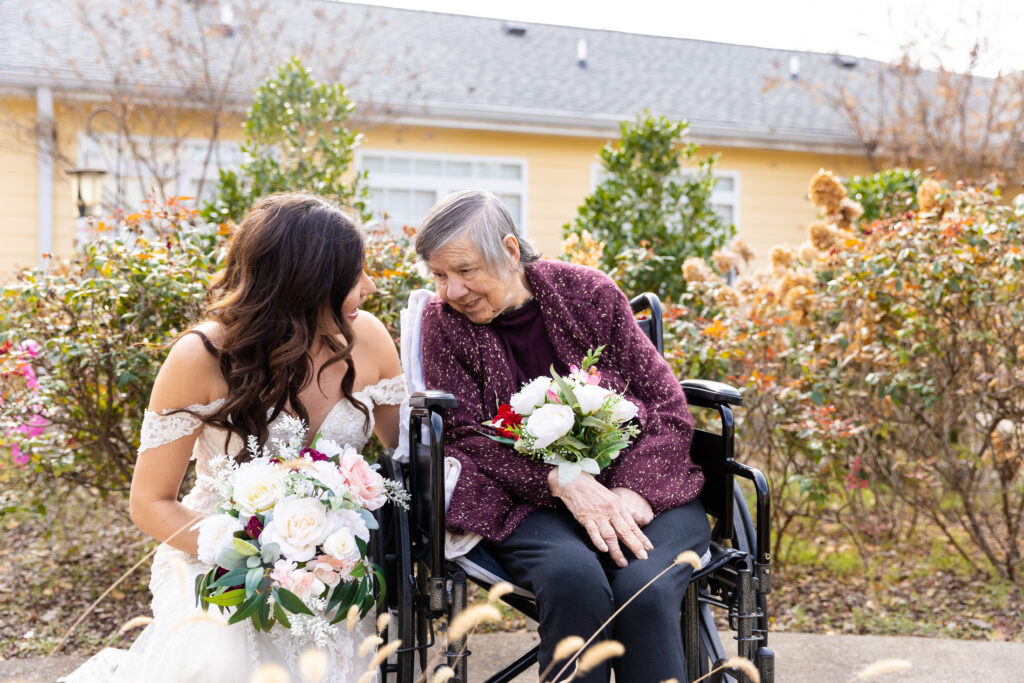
(763, 557)
(707, 394)
(432, 399)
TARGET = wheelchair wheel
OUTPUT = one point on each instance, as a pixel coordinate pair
(394, 556)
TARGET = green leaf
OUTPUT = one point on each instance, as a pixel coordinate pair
(228, 599)
(281, 615)
(291, 602)
(244, 548)
(246, 609)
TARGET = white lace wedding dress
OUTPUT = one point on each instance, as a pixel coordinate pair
(183, 643)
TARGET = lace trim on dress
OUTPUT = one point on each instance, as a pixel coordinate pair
(387, 392)
(160, 429)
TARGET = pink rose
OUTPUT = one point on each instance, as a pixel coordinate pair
(299, 581)
(329, 570)
(365, 483)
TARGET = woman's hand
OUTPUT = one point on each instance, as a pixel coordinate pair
(603, 514)
(636, 505)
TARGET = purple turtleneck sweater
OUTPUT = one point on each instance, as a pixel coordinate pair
(580, 309)
(527, 348)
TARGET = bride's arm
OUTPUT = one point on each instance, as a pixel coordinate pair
(383, 356)
(189, 376)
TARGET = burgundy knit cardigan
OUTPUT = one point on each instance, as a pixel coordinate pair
(582, 309)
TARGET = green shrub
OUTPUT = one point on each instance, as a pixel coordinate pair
(886, 194)
(656, 197)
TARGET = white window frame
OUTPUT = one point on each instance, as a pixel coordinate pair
(730, 198)
(443, 185)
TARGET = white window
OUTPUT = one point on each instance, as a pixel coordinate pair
(404, 185)
(725, 197)
(156, 168)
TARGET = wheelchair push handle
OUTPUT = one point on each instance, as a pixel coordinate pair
(432, 399)
(706, 394)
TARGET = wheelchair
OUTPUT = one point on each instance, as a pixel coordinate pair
(422, 586)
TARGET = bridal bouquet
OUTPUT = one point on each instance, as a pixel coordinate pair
(572, 421)
(288, 542)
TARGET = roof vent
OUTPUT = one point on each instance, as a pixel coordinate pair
(581, 53)
(844, 61)
(511, 29)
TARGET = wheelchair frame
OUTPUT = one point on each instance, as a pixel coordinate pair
(423, 586)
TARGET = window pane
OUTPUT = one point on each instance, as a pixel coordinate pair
(513, 203)
(484, 170)
(511, 171)
(427, 167)
(374, 164)
(725, 184)
(723, 210)
(461, 169)
(399, 166)
(421, 203)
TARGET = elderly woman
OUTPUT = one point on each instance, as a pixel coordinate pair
(502, 318)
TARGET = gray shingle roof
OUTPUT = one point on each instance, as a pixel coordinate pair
(430, 64)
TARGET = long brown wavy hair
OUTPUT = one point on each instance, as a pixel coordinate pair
(290, 265)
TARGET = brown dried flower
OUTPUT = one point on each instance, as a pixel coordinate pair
(782, 258)
(725, 260)
(928, 195)
(822, 236)
(696, 270)
(743, 250)
(826, 192)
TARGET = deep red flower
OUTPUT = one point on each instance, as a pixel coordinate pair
(254, 527)
(508, 418)
(313, 454)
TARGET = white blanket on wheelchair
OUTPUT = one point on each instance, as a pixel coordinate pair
(456, 545)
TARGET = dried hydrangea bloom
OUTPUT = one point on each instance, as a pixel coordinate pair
(928, 195)
(747, 285)
(696, 270)
(584, 250)
(800, 300)
(826, 192)
(807, 252)
(727, 297)
(801, 277)
(725, 260)
(743, 250)
(782, 258)
(822, 236)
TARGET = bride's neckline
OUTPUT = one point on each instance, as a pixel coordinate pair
(217, 402)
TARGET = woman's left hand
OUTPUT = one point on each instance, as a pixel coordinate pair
(636, 505)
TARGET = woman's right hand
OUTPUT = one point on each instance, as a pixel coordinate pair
(603, 514)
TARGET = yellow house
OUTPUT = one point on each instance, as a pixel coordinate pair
(445, 102)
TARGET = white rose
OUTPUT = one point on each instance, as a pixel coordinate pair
(328, 474)
(624, 410)
(549, 423)
(329, 447)
(341, 545)
(591, 397)
(258, 485)
(531, 396)
(215, 534)
(351, 520)
(299, 525)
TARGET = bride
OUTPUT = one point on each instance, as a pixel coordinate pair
(282, 334)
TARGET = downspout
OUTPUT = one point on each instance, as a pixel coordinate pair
(45, 140)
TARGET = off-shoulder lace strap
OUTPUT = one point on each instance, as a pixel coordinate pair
(160, 429)
(389, 392)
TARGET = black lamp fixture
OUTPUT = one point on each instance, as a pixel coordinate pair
(87, 191)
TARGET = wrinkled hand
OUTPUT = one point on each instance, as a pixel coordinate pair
(636, 505)
(603, 514)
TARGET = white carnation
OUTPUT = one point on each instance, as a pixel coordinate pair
(531, 396)
(215, 534)
(549, 423)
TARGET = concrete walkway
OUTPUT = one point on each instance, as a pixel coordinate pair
(800, 658)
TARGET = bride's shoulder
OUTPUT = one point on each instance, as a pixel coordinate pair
(374, 343)
(191, 372)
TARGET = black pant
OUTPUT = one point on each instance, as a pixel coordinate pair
(578, 588)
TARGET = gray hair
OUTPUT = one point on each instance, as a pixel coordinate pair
(480, 215)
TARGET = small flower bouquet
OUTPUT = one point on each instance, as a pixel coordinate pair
(288, 542)
(572, 422)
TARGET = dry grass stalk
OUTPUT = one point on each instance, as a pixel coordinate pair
(313, 664)
(470, 619)
(368, 644)
(686, 557)
(382, 654)
(134, 622)
(498, 591)
(270, 673)
(352, 617)
(598, 653)
(200, 618)
(382, 622)
(741, 664)
(567, 647)
(881, 668)
(443, 674)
